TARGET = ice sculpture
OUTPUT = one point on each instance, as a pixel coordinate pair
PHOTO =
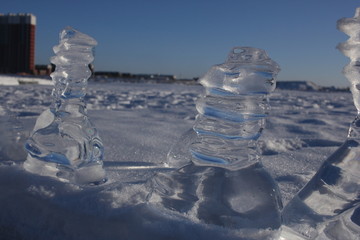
(220, 179)
(344, 226)
(64, 143)
(335, 188)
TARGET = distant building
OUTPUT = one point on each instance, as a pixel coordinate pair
(108, 74)
(17, 43)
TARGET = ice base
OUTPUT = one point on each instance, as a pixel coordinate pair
(88, 175)
(289, 234)
(244, 200)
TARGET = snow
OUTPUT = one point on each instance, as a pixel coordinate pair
(138, 124)
(17, 80)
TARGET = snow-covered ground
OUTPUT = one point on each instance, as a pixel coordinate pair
(12, 80)
(138, 124)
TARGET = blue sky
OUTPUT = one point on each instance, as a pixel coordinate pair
(187, 37)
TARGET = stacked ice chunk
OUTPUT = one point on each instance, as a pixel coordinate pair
(64, 143)
(328, 206)
(219, 178)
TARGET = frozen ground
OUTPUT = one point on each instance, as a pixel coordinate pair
(138, 124)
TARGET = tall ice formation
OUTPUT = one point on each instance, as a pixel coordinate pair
(328, 206)
(64, 143)
(231, 115)
(219, 179)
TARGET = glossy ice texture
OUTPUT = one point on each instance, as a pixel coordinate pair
(334, 189)
(231, 114)
(220, 179)
(344, 226)
(326, 201)
(351, 49)
(64, 143)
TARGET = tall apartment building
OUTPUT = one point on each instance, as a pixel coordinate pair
(17, 43)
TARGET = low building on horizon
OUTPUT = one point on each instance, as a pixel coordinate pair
(44, 70)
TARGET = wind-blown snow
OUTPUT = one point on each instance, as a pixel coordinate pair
(138, 124)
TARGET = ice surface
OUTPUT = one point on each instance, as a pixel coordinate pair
(322, 209)
(334, 189)
(138, 124)
(218, 158)
(13, 137)
(344, 226)
(64, 143)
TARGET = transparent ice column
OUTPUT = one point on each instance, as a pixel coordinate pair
(335, 188)
(231, 115)
(219, 178)
(64, 143)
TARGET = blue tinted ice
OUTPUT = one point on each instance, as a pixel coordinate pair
(246, 71)
(231, 114)
(64, 143)
(219, 178)
(344, 226)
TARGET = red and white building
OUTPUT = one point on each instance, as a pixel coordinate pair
(17, 43)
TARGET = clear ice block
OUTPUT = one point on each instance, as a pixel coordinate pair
(335, 188)
(219, 178)
(64, 143)
(344, 226)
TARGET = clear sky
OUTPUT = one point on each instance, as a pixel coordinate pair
(186, 37)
